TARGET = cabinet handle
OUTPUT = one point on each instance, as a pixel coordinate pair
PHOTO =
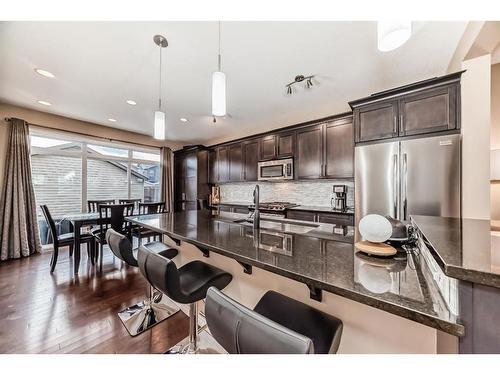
(395, 126)
(401, 123)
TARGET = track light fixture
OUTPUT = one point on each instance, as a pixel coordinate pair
(290, 87)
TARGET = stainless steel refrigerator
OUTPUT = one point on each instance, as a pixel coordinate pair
(418, 176)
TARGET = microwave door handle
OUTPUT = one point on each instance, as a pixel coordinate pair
(395, 185)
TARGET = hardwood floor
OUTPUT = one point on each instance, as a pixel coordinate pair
(63, 313)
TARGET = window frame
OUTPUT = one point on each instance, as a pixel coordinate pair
(84, 141)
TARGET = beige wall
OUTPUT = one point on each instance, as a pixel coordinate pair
(68, 124)
(495, 136)
(476, 88)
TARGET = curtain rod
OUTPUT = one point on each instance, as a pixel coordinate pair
(86, 135)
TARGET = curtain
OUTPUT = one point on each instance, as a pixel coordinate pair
(19, 235)
(167, 178)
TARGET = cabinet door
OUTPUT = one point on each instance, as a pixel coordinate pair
(286, 145)
(376, 121)
(310, 152)
(268, 147)
(236, 162)
(190, 164)
(429, 111)
(241, 210)
(301, 215)
(223, 164)
(213, 177)
(251, 155)
(338, 219)
(339, 150)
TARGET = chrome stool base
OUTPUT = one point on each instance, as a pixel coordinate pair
(206, 344)
(146, 314)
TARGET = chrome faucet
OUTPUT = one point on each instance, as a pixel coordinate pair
(256, 213)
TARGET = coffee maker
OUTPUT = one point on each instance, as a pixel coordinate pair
(339, 200)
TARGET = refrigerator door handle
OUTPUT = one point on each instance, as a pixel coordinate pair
(404, 187)
(395, 185)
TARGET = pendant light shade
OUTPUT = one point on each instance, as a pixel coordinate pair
(160, 125)
(392, 34)
(218, 94)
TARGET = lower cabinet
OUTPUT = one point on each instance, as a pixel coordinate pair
(234, 209)
(321, 217)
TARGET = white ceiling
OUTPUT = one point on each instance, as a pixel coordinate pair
(99, 65)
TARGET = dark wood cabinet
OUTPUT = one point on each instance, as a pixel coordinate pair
(268, 147)
(222, 164)
(301, 215)
(251, 158)
(376, 121)
(428, 111)
(429, 106)
(338, 219)
(235, 162)
(286, 145)
(309, 163)
(339, 149)
(212, 167)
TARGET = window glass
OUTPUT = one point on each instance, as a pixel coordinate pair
(145, 182)
(106, 180)
(146, 156)
(107, 151)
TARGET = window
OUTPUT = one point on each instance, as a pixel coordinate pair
(108, 170)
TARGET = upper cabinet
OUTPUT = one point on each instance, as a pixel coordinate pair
(309, 160)
(420, 108)
(268, 147)
(251, 159)
(222, 164)
(277, 146)
(236, 162)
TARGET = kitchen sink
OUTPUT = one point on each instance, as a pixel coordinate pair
(279, 225)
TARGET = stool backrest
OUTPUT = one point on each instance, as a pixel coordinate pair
(93, 206)
(152, 208)
(243, 331)
(161, 273)
(121, 246)
(50, 223)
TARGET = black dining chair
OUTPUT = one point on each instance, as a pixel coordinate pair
(93, 206)
(112, 216)
(134, 201)
(147, 209)
(66, 239)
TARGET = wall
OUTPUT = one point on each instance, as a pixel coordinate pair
(314, 193)
(68, 124)
(476, 99)
(495, 136)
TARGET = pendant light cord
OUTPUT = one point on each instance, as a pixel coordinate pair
(219, 62)
(159, 91)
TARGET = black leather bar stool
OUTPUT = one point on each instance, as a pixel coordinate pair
(188, 284)
(277, 325)
(143, 315)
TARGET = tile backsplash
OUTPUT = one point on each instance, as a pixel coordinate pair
(313, 193)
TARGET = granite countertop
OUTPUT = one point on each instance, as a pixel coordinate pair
(319, 255)
(328, 209)
(464, 248)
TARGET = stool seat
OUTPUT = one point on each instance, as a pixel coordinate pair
(162, 249)
(323, 329)
(196, 277)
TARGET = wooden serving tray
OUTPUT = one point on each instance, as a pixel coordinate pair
(373, 248)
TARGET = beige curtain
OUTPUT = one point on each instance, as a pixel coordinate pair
(167, 178)
(18, 224)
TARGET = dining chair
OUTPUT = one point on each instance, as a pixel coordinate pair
(66, 239)
(134, 201)
(112, 216)
(93, 205)
(148, 209)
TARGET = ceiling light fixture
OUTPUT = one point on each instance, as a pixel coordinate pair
(219, 88)
(111, 120)
(131, 102)
(183, 119)
(392, 34)
(43, 102)
(160, 117)
(290, 88)
(44, 73)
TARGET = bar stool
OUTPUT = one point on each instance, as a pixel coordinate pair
(143, 315)
(277, 325)
(188, 284)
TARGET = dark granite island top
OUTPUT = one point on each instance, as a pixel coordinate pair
(463, 248)
(320, 256)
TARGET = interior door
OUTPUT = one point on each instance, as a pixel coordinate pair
(376, 182)
(430, 177)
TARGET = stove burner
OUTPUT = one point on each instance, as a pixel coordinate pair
(275, 206)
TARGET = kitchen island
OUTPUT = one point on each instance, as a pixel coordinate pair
(317, 255)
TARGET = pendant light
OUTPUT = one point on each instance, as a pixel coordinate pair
(160, 117)
(392, 34)
(219, 88)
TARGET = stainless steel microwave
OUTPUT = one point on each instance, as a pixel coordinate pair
(281, 169)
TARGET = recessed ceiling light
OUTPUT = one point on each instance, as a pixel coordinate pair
(44, 73)
(43, 102)
(131, 102)
(111, 119)
(183, 119)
